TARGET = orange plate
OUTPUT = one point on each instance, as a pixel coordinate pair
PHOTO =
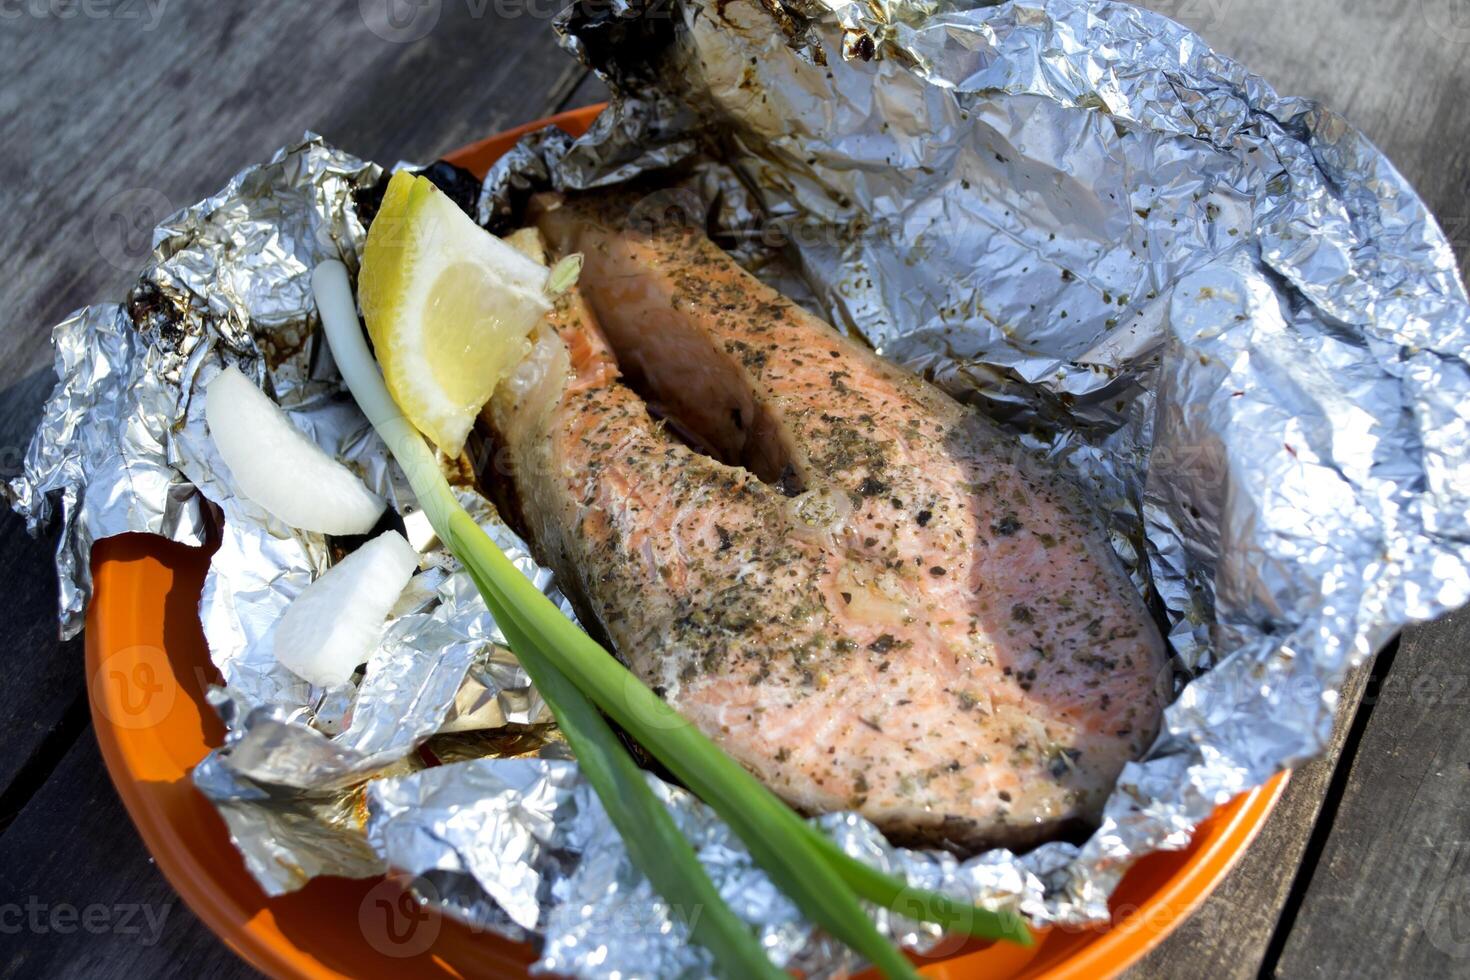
(149, 670)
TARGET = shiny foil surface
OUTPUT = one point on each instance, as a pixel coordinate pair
(1223, 309)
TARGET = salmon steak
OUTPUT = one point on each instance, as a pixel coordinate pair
(862, 590)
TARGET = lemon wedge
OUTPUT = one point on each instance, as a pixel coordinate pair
(448, 306)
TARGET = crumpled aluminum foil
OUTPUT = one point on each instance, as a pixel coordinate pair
(1224, 309)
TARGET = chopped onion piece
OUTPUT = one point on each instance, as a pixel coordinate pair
(336, 622)
(278, 467)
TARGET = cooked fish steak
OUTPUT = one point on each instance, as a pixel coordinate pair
(862, 590)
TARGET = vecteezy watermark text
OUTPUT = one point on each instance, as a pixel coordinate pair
(38, 918)
(150, 12)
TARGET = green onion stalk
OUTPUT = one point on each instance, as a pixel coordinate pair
(581, 682)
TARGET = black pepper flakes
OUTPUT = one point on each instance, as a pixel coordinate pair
(1062, 762)
(789, 483)
(1006, 526)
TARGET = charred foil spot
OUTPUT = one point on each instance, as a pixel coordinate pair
(152, 311)
(462, 187)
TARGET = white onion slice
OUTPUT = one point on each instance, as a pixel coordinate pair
(336, 622)
(277, 466)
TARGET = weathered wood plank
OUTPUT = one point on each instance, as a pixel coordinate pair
(589, 90)
(1390, 895)
(44, 702)
(79, 896)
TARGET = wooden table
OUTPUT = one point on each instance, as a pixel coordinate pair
(113, 112)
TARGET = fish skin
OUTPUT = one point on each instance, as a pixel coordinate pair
(866, 593)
